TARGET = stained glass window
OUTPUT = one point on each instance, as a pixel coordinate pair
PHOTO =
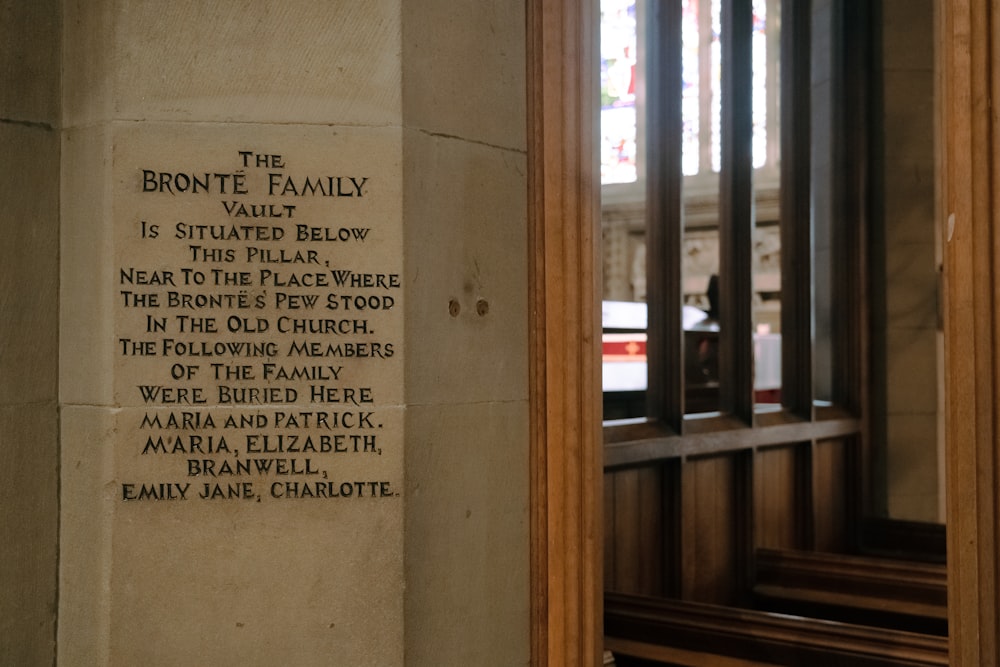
(716, 60)
(619, 153)
(759, 83)
(618, 72)
(691, 76)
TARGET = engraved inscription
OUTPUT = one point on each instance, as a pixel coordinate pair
(252, 314)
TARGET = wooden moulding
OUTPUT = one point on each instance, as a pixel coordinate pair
(969, 33)
(883, 592)
(743, 637)
(563, 182)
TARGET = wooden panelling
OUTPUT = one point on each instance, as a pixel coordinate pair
(649, 494)
(634, 531)
(830, 484)
(710, 532)
(639, 443)
(630, 552)
(610, 531)
(776, 498)
(688, 527)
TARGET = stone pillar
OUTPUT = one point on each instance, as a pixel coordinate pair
(293, 352)
(29, 227)
(466, 343)
(905, 326)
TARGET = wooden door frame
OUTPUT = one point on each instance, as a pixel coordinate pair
(565, 371)
(566, 468)
(969, 35)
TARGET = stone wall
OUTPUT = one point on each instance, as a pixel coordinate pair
(334, 194)
(29, 291)
(906, 268)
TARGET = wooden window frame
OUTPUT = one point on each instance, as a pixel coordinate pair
(668, 431)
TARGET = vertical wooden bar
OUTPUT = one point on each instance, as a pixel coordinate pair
(850, 273)
(796, 209)
(970, 36)
(850, 240)
(736, 213)
(665, 395)
(796, 225)
(564, 334)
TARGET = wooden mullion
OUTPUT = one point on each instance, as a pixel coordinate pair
(796, 209)
(736, 213)
(665, 395)
(850, 146)
(850, 265)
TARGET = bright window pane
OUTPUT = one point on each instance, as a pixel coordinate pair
(759, 101)
(618, 71)
(759, 83)
(690, 100)
(716, 58)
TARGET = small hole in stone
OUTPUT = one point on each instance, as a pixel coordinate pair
(482, 307)
(454, 308)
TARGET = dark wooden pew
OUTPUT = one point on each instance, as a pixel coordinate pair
(643, 631)
(905, 540)
(902, 595)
